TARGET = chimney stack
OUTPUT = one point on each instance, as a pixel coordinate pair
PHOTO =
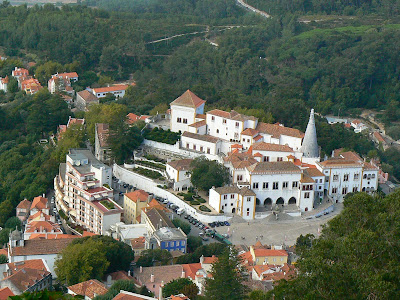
(160, 292)
(152, 278)
(140, 269)
(183, 275)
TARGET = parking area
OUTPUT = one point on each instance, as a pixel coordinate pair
(53, 210)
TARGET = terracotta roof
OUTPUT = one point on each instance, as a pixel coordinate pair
(88, 96)
(191, 269)
(339, 162)
(123, 295)
(181, 165)
(41, 247)
(75, 121)
(39, 215)
(269, 252)
(313, 172)
(90, 288)
(201, 116)
(5, 293)
(88, 233)
(161, 273)
(42, 226)
(102, 133)
(356, 121)
(4, 80)
(4, 252)
(155, 215)
(44, 236)
(132, 118)
(31, 84)
(188, 99)
(246, 257)
(250, 132)
(274, 167)
(201, 137)
(277, 130)
(199, 124)
(349, 155)
(257, 138)
(39, 203)
(69, 75)
(306, 179)
(379, 137)
(140, 195)
(236, 146)
(210, 260)
(120, 275)
(113, 88)
(232, 115)
(26, 277)
(263, 146)
(178, 297)
(25, 204)
(36, 264)
(138, 243)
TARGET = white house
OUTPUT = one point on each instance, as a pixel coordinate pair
(117, 90)
(233, 200)
(4, 84)
(358, 126)
(62, 82)
(184, 110)
(177, 171)
(345, 173)
(206, 144)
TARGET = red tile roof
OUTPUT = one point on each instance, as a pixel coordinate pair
(42, 226)
(277, 130)
(69, 75)
(25, 204)
(88, 96)
(39, 203)
(263, 146)
(379, 137)
(250, 132)
(138, 243)
(113, 88)
(5, 293)
(90, 288)
(131, 296)
(210, 260)
(140, 195)
(36, 264)
(191, 269)
(41, 247)
(188, 99)
(269, 252)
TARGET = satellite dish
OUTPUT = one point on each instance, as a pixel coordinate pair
(78, 163)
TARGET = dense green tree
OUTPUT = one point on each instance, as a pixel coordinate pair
(6, 209)
(123, 285)
(177, 286)
(152, 257)
(362, 240)
(3, 259)
(208, 173)
(13, 223)
(185, 226)
(194, 242)
(228, 278)
(4, 236)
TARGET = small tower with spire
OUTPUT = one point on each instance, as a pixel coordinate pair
(310, 148)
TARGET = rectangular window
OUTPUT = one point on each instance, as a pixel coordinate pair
(212, 118)
(295, 184)
(179, 120)
(334, 190)
(201, 148)
(344, 191)
(355, 189)
(208, 150)
(356, 176)
(285, 185)
(224, 121)
(239, 177)
(265, 185)
(279, 159)
(346, 177)
(225, 197)
(255, 185)
(306, 195)
(232, 196)
(266, 158)
(237, 124)
(275, 185)
(335, 177)
(248, 199)
(184, 121)
(187, 145)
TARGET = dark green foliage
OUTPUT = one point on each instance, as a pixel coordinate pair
(149, 173)
(228, 278)
(208, 173)
(152, 257)
(162, 136)
(4, 236)
(356, 256)
(44, 295)
(3, 259)
(13, 223)
(205, 250)
(177, 286)
(185, 226)
(193, 243)
(204, 208)
(92, 257)
(123, 285)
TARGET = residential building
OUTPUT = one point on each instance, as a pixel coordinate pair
(19, 72)
(231, 199)
(127, 232)
(27, 276)
(177, 171)
(84, 193)
(4, 84)
(101, 146)
(46, 249)
(79, 123)
(5, 293)
(358, 126)
(347, 172)
(272, 272)
(40, 204)
(133, 118)
(262, 255)
(117, 90)
(184, 110)
(31, 86)
(155, 218)
(62, 82)
(88, 289)
(133, 204)
(84, 99)
(205, 144)
(23, 210)
(138, 245)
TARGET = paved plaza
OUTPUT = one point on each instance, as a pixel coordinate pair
(270, 231)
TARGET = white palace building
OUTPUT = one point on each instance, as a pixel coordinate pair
(270, 164)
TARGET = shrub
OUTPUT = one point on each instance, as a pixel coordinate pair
(194, 202)
(204, 208)
(201, 200)
(188, 197)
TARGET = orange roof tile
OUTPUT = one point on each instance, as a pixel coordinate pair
(263, 146)
(269, 252)
(277, 130)
(138, 243)
(40, 247)
(191, 269)
(113, 88)
(140, 195)
(36, 264)
(25, 204)
(5, 293)
(210, 260)
(188, 99)
(90, 288)
(39, 203)
(69, 75)
(250, 132)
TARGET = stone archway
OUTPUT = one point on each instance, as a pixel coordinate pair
(267, 201)
(292, 200)
(257, 201)
(280, 201)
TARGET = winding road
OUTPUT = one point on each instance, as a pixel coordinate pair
(253, 9)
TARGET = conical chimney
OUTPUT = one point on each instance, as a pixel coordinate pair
(309, 148)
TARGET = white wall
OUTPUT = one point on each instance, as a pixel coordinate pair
(150, 186)
(292, 142)
(184, 113)
(230, 130)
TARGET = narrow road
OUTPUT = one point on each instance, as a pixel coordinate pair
(253, 9)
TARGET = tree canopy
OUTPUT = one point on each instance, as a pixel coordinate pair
(356, 256)
(178, 286)
(153, 257)
(208, 173)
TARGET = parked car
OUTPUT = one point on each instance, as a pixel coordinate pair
(226, 223)
(205, 238)
(180, 211)
(165, 201)
(221, 223)
(201, 233)
(212, 225)
(217, 224)
(186, 216)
